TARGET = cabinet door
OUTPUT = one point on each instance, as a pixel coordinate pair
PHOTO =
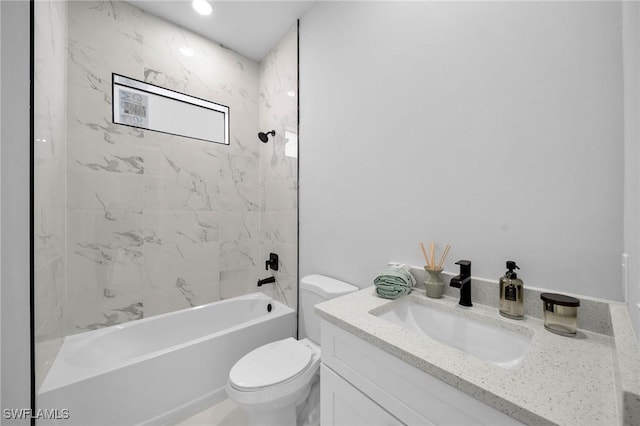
(344, 405)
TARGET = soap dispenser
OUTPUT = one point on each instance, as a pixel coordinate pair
(511, 293)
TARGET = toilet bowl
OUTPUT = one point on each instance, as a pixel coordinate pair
(271, 382)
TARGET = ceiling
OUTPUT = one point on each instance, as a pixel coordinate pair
(251, 28)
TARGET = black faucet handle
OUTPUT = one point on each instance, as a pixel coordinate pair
(465, 267)
(272, 262)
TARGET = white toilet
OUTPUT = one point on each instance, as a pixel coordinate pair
(270, 382)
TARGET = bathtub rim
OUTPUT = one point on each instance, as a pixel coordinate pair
(87, 373)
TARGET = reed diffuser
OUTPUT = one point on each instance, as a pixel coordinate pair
(433, 283)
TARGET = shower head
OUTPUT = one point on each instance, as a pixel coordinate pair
(264, 137)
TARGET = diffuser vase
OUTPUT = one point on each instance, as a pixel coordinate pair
(433, 283)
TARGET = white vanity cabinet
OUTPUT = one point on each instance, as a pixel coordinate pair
(362, 384)
(343, 404)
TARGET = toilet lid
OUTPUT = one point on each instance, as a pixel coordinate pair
(271, 364)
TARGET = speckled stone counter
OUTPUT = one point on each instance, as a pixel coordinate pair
(590, 379)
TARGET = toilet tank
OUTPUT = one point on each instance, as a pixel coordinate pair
(315, 289)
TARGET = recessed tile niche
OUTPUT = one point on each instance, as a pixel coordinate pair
(140, 104)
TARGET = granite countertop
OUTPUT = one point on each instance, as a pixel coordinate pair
(593, 378)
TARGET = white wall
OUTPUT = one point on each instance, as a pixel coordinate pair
(496, 127)
(1, 405)
(14, 179)
(631, 57)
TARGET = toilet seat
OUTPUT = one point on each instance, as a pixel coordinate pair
(273, 364)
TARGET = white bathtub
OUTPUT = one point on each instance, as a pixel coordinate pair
(160, 369)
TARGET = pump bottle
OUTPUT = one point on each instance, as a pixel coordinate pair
(511, 293)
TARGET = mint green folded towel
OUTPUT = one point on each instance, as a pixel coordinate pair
(393, 282)
(392, 294)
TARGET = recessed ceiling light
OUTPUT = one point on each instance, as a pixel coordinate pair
(186, 51)
(291, 93)
(203, 7)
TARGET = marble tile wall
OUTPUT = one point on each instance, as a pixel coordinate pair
(50, 148)
(279, 164)
(156, 222)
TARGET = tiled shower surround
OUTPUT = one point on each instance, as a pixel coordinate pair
(156, 222)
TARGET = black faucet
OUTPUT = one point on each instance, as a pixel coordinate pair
(463, 282)
(269, 280)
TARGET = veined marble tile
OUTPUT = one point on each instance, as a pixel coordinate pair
(278, 84)
(238, 282)
(162, 151)
(160, 301)
(49, 299)
(240, 169)
(239, 197)
(50, 181)
(50, 80)
(102, 146)
(277, 166)
(188, 290)
(52, 326)
(278, 183)
(239, 225)
(166, 263)
(280, 226)
(166, 66)
(89, 72)
(187, 190)
(122, 229)
(212, 70)
(280, 195)
(171, 227)
(91, 309)
(189, 271)
(105, 256)
(283, 290)
(169, 155)
(286, 276)
(111, 28)
(278, 69)
(180, 176)
(49, 235)
(50, 34)
(104, 191)
(239, 255)
(107, 271)
(50, 105)
(90, 96)
(213, 73)
(287, 256)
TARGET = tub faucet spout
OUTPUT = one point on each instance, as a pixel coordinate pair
(463, 282)
(269, 280)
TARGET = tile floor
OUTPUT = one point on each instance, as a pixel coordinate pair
(225, 413)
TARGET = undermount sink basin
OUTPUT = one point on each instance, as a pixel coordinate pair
(490, 343)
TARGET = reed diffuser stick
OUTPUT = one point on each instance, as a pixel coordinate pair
(432, 262)
(444, 256)
(424, 252)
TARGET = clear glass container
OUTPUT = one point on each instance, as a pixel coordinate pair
(560, 313)
(511, 298)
